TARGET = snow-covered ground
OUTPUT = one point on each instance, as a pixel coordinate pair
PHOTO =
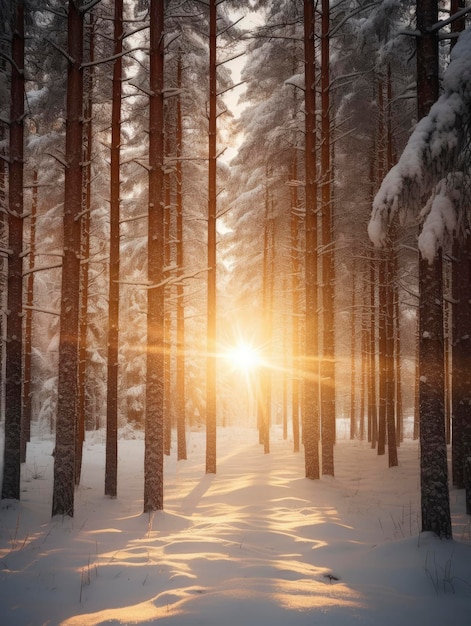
(255, 544)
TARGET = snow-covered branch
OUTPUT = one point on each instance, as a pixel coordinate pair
(42, 310)
(440, 216)
(42, 268)
(430, 156)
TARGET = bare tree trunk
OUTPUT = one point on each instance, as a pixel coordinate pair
(353, 381)
(372, 390)
(154, 429)
(364, 347)
(168, 400)
(461, 446)
(390, 370)
(311, 359)
(328, 361)
(85, 258)
(3, 256)
(212, 207)
(111, 464)
(398, 359)
(382, 331)
(28, 330)
(267, 291)
(295, 283)
(391, 322)
(433, 453)
(180, 379)
(64, 458)
(14, 340)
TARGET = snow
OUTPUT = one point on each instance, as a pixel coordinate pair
(430, 162)
(257, 543)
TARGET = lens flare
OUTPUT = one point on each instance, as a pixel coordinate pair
(244, 357)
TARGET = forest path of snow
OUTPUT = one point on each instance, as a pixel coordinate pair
(255, 544)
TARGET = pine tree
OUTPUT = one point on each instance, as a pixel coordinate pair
(14, 345)
(64, 456)
(111, 468)
(311, 368)
(154, 426)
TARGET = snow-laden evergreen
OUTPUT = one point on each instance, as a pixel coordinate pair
(432, 164)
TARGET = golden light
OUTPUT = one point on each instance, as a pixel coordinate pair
(244, 357)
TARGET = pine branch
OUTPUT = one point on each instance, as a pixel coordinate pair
(60, 50)
(112, 58)
(42, 268)
(38, 310)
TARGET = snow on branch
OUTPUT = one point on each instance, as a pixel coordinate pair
(430, 156)
(440, 216)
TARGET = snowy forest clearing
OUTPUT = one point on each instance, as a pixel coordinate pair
(255, 544)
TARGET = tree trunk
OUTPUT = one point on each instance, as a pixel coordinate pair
(364, 347)
(311, 360)
(85, 262)
(353, 381)
(212, 207)
(390, 371)
(328, 361)
(180, 364)
(382, 344)
(168, 400)
(433, 453)
(398, 357)
(267, 290)
(461, 447)
(372, 387)
(14, 339)
(111, 464)
(28, 330)
(295, 263)
(154, 421)
(64, 458)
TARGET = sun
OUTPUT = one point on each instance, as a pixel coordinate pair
(244, 357)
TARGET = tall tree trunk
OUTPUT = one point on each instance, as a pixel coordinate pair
(28, 330)
(353, 381)
(154, 421)
(311, 358)
(14, 339)
(433, 453)
(212, 207)
(398, 358)
(180, 360)
(382, 275)
(390, 363)
(265, 399)
(391, 322)
(382, 345)
(295, 269)
(64, 458)
(111, 464)
(372, 387)
(4, 249)
(285, 379)
(364, 347)
(85, 258)
(168, 400)
(328, 361)
(461, 328)
(461, 446)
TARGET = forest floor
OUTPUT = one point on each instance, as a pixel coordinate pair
(257, 543)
